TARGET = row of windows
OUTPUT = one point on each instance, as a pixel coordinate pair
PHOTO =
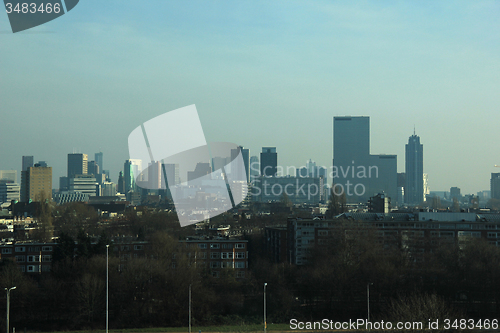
(224, 246)
(8, 250)
(227, 264)
(127, 247)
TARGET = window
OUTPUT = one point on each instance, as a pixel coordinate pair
(240, 245)
(33, 258)
(125, 248)
(46, 258)
(32, 268)
(202, 246)
(20, 258)
(45, 268)
(214, 246)
(214, 264)
(240, 255)
(214, 255)
(47, 248)
(224, 246)
(138, 247)
(6, 251)
(20, 249)
(227, 255)
(227, 264)
(239, 264)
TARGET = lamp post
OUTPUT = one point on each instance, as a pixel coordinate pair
(189, 308)
(107, 286)
(265, 322)
(8, 306)
(368, 297)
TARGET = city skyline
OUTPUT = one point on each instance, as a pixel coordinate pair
(261, 74)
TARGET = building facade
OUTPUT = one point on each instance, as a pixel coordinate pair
(414, 168)
(269, 162)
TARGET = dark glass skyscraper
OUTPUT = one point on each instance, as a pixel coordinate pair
(414, 166)
(269, 162)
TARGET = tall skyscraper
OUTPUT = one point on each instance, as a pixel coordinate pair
(414, 169)
(27, 162)
(254, 167)
(36, 183)
(99, 161)
(269, 162)
(132, 170)
(356, 173)
(246, 161)
(495, 186)
(77, 164)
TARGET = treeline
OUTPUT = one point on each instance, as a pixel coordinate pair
(449, 279)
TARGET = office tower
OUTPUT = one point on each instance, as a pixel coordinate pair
(427, 189)
(121, 183)
(269, 162)
(8, 176)
(63, 183)
(9, 191)
(246, 161)
(131, 174)
(356, 173)
(154, 174)
(108, 189)
(93, 168)
(455, 193)
(170, 171)
(495, 186)
(201, 169)
(27, 162)
(85, 184)
(254, 167)
(36, 183)
(414, 167)
(77, 164)
(98, 157)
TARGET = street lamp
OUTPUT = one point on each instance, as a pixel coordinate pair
(189, 308)
(8, 305)
(368, 297)
(265, 322)
(107, 286)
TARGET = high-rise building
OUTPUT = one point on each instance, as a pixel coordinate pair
(455, 193)
(414, 169)
(9, 191)
(85, 184)
(36, 183)
(495, 186)
(269, 162)
(98, 157)
(27, 162)
(8, 176)
(356, 173)
(132, 170)
(93, 168)
(246, 161)
(77, 164)
(254, 168)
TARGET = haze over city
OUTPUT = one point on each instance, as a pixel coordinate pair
(261, 74)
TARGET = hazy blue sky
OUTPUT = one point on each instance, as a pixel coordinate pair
(261, 73)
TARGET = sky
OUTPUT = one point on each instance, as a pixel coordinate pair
(261, 73)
